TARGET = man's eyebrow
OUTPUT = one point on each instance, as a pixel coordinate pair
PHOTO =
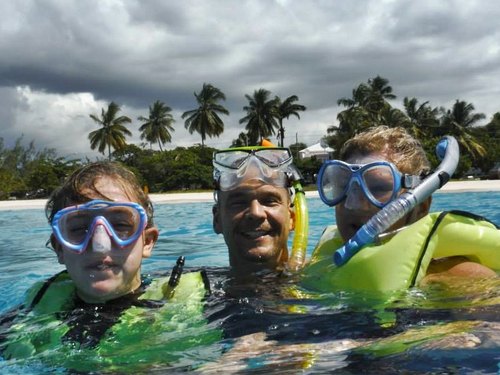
(239, 193)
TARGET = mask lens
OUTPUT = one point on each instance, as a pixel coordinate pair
(125, 222)
(231, 159)
(74, 226)
(334, 182)
(379, 181)
(274, 157)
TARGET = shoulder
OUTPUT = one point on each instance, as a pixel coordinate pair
(329, 241)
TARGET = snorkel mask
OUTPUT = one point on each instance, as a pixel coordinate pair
(270, 165)
(379, 181)
(99, 222)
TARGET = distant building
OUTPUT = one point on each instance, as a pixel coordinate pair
(321, 153)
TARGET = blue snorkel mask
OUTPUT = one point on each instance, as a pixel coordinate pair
(100, 222)
(379, 181)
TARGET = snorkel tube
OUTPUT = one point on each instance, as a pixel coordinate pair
(447, 150)
(299, 244)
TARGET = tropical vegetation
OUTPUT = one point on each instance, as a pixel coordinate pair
(112, 133)
(205, 119)
(370, 105)
(26, 172)
(159, 124)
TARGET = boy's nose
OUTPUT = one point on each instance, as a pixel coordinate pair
(101, 242)
(356, 199)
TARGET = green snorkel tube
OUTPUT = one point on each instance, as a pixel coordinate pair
(447, 150)
(291, 178)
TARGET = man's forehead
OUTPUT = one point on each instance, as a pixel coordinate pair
(255, 187)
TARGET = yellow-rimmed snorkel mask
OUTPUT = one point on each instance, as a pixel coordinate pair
(271, 165)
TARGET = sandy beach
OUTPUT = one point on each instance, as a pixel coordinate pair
(453, 186)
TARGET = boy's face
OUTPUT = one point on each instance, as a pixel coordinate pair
(255, 219)
(355, 210)
(101, 276)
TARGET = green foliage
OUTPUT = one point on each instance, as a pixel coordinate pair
(178, 169)
(309, 169)
(295, 148)
(369, 106)
(28, 173)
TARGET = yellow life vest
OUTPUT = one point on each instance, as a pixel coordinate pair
(402, 262)
(153, 331)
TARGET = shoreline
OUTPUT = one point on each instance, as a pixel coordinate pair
(450, 187)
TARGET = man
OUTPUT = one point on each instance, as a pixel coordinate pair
(253, 209)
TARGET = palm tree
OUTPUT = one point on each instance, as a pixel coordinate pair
(367, 107)
(493, 127)
(241, 141)
(458, 122)
(377, 95)
(380, 86)
(158, 125)
(351, 121)
(205, 119)
(112, 132)
(371, 96)
(358, 99)
(261, 111)
(392, 117)
(421, 118)
(284, 110)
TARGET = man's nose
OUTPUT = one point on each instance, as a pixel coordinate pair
(255, 209)
(356, 198)
(101, 242)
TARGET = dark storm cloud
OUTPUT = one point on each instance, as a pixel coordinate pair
(83, 54)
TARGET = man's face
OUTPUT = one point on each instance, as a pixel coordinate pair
(255, 219)
(101, 276)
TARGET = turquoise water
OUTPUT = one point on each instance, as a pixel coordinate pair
(186, 229)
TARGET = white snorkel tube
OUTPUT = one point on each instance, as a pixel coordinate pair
(447, 150)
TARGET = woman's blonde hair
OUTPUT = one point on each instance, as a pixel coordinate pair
(400, 148)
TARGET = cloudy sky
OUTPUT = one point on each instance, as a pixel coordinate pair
(61, 60)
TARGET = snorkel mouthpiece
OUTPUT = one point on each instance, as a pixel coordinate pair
(447, 150)
(101, 240)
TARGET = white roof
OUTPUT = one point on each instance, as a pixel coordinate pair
(316, 149)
